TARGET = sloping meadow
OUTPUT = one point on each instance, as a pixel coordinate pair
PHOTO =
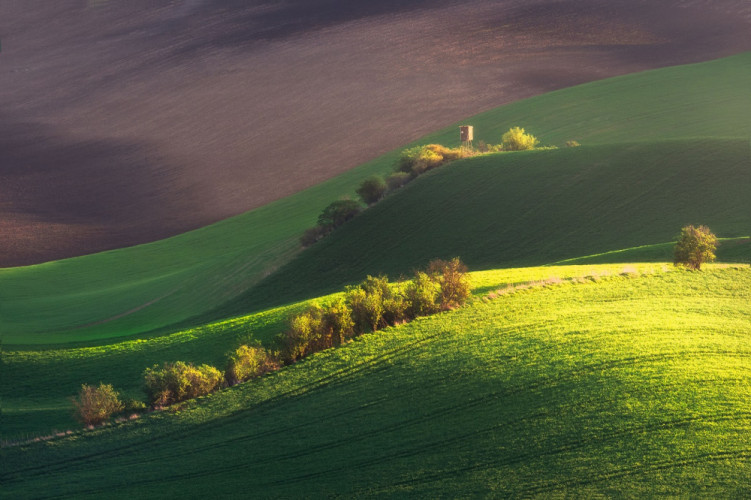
(630, 384)
(147, 288)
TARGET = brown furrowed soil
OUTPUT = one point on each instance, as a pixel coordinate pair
(126, 122)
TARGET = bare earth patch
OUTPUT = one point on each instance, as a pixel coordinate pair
(126, 122)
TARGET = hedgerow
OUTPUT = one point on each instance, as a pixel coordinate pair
(372, 305)
(367, 307)
(419, 159)
(411, 163)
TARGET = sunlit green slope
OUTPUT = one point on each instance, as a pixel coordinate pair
(133, 290)
(33, 405)
(624, 386)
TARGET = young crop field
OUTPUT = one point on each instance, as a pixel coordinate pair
(628, 384)
(149, 288)
(585, 364)
(33, 406)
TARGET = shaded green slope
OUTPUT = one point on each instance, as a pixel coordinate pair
(703, 100)
(133, 290)
(623, 387)
(531, 208)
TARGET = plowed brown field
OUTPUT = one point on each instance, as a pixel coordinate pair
(125, 122)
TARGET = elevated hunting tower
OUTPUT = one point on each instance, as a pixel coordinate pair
(466, 134)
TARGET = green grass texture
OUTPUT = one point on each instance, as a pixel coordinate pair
(147, 288)
(534, 208)
(623, 385)
(33, 406)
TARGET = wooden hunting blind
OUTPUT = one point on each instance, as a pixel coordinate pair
(466, 133)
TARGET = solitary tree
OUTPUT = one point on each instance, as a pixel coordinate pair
(695, 246)
(517, 140)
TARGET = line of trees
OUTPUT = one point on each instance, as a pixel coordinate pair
(367, 307)
(412, 163)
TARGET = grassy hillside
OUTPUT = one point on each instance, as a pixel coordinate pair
(134, 290)
(33, 406)
(534, 208)
(627, 386)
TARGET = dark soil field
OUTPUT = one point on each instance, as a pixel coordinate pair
(125, 122)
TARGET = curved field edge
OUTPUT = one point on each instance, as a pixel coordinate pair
(134, 290)
(33, 406)
(729, 250)
(531, 208)
(630, 386)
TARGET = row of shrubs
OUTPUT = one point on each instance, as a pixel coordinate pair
(373, 304)
(411, 163)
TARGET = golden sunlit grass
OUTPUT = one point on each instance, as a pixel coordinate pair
(634, 384)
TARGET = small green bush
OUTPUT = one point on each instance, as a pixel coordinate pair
(422, 296)
(302, 334)
(408, 158)
(248, 362)
(695, 246)
(94, 405)
(397, 180)
(372, 190)
(337, 325)
(179, 381)
(394, 309)
(338, 212)
(572, 144)
(453, 280)
(516, 139)
(366, 307)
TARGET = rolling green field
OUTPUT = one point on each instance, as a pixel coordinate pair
(33, 406)
(620, 385)
(620, 376)
(147, 288)
(533, 208)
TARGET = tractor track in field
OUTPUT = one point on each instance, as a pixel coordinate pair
(332, 379)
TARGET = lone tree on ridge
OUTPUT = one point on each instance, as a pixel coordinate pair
(695, 246)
